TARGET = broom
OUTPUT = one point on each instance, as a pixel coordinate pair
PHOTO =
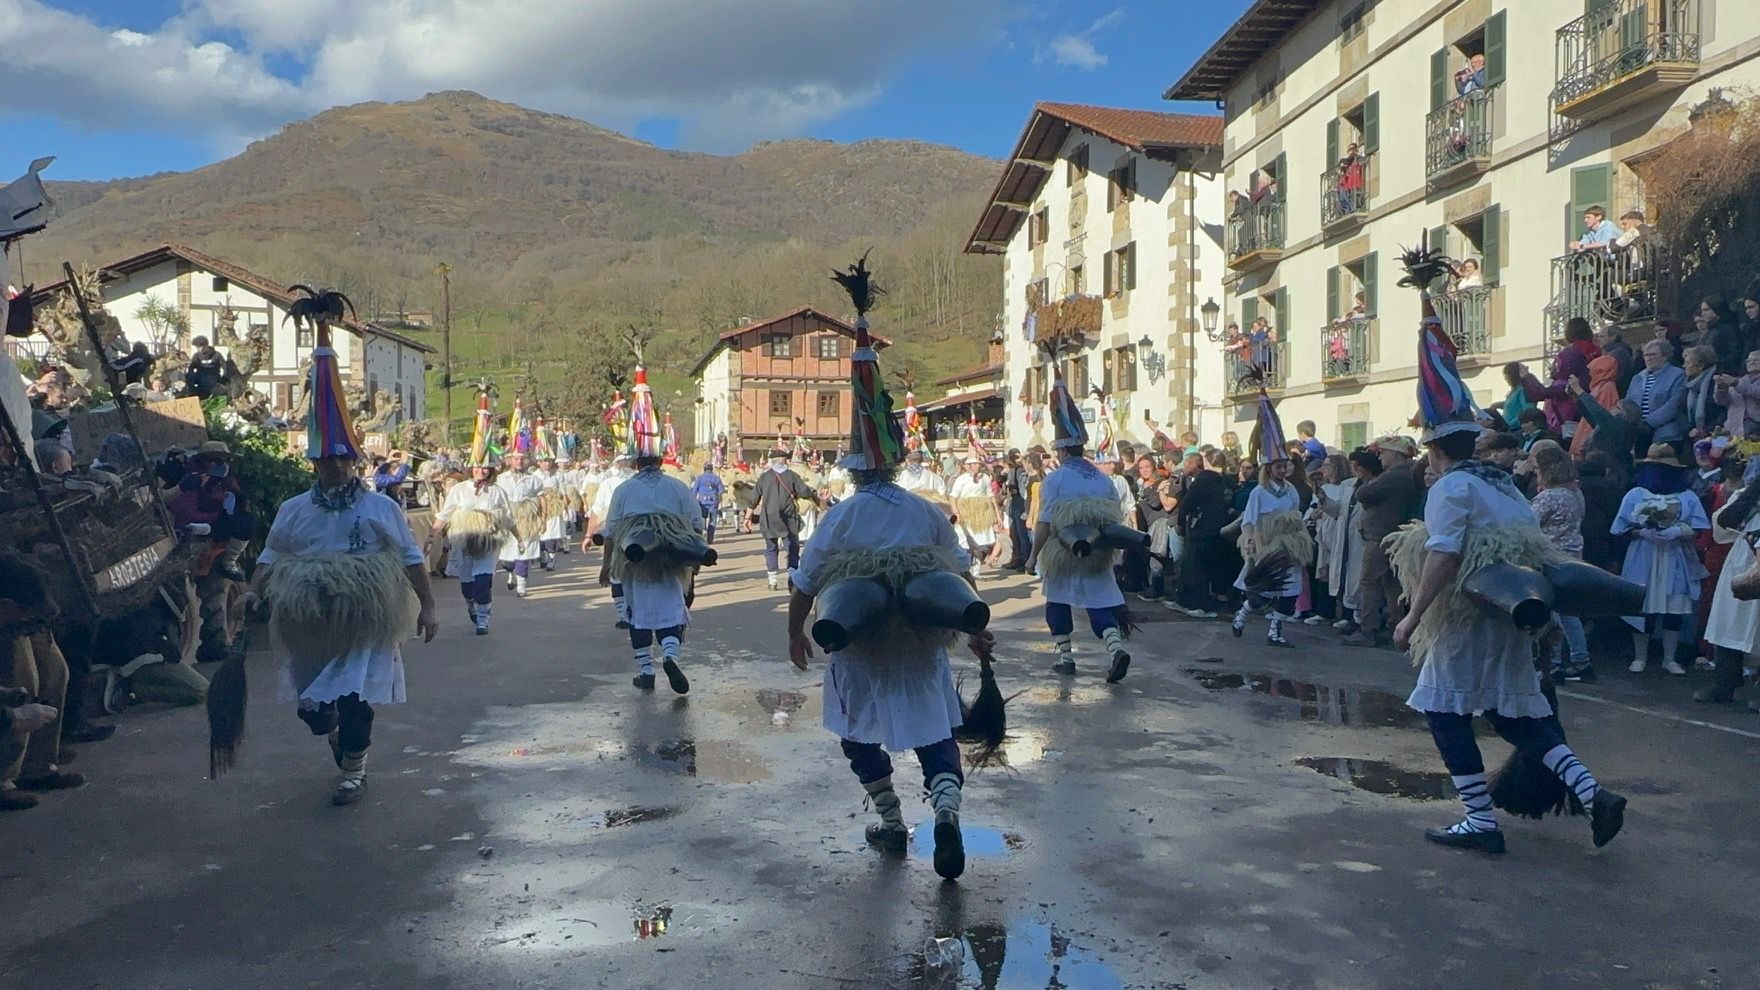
(1524, 787)
(226, 704)
(985, 720)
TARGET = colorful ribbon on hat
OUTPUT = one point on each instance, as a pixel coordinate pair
(329, 433)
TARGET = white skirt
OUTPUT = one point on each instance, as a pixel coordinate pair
(513, 550)
(375, 675)
(1734, 624)
(1292, 581)
(1083, 590)
(655, 604)
(899, 703)
(1489, 664)
(465, 567)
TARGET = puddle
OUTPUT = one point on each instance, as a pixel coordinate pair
(780, 702)
(1347, 706)
(1019, 748)
(1022, 956)
(714, 760)
(600, 748)
(589, 925)
(1379, 777)
(981, 841)
(620, 817)
(1068, 694)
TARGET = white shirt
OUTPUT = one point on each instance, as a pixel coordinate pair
(970, 486)
(608, 486)
(899, 694)
(1073, 480)
(1459, 500)
(920, 479)
(519, 486)
(654, 604)
(464, 495)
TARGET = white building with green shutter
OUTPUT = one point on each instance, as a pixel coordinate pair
(1488, 126)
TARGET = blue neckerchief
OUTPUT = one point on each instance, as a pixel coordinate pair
(338, 499)
(1491, 474)
(885, 490)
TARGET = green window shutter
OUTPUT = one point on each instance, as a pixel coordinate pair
(1249, 312)
(1372, 123)
(1591, 185)
(1332, 310)
(1497, 48)
(1491, 240)
(1439, 92)
(1130, 266)
(1371, 285)
(1280, 303)
(1439, 238)
(1280, 168)
(1332, 148)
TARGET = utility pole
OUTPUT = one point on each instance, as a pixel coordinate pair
(445, 272)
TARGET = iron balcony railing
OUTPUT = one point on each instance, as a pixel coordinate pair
(1258, 227)
(1621, 37)
(1466, 315)
(1344, 190)
(1609, 285)
(1345, 345)
(1270, 357)
(1459, 131)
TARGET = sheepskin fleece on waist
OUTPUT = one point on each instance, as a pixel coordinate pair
(1523, 545)
(674, 531)
(528, 519)
(1282, 532)
(1095, 510)
(478, 532)
(327, 605)
(894, 566)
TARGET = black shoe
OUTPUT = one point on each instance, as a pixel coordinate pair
(643, 681)
(1582, 674)
(1607, 815)
(1121, 662)
(950, 851)
(90, 732)
(61, 780)
(1490, 842)
(886, 838)
(1279, 642)
(1237, 626)
(675, 677)
(1065, 667)
(623, 623)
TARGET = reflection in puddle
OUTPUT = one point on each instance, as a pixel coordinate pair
(980, 840)
(1022, 956)
(586, 925)
(1358, 707)
(780, 702)
(1379, 777)
(715, 760)
(1019, 748)
(619, 817)
(600, 748)
(1067, 694)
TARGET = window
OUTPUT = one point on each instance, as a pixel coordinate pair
(1267, 93)
(305, 336)
(220, 283)
(1353, 435)
(1076, 377)
(1352, 25)
(1121, 270)
(828, 404)
(1078, 165)
(1078, 280)
(1122, 185)
(830, 346)
(1039, 228)
(1125, 380)
(781, 404)
(1038, 293)
(1347, 282)
(781, 345)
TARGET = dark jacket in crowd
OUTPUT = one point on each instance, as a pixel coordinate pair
(1613, 435)
(778, 518)
(1389, 501)
(1601, 500)
(1204, 509)
(1726, 339)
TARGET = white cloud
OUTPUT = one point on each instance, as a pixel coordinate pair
(730, 72)
(1077, 50)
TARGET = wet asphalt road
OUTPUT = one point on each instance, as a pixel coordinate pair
(531, 821)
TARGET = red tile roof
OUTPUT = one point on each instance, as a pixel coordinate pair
(1147, 132)
(730, 336)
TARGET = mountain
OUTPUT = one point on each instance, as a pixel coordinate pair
(551, 223)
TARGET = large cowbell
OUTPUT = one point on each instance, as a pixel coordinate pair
(857, 607)
(1082, 539)
(694, 551)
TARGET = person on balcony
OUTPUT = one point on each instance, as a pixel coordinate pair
(1571, 364)
(1351, 194)
(1469, 277)
(1598, 231)
(1471, 77)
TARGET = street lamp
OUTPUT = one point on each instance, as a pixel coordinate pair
(1211, 312)
(1154, 364)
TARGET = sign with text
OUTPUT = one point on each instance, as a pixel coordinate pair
(159, 425)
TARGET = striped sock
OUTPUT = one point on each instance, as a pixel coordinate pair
(645, 659)
(669, 648)
(1065, 650)
(1564, 763)
(1476, 798)
(1114, 640)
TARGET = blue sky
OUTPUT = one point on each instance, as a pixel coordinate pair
(131, 87)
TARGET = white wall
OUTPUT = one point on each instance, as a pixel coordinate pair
(715, 414)
(1531, 186)
(1148, 310)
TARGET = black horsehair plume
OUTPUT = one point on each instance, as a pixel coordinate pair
(858, 281)
(326, 305)
(226, 706)
(1423, 264)
(985, 719)
(1523, 786)
(1266, 574)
